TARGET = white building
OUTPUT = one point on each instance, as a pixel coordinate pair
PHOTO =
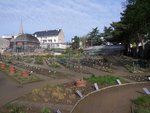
(4, 44)
(51, 39)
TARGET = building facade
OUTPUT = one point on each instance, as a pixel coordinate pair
(25, 43)
(50, 39)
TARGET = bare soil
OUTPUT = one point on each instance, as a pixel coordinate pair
(112, 100)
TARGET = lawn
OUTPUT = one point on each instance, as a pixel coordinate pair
(103, 80)
(142, 104)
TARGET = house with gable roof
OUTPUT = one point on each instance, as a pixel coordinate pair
(50, 39)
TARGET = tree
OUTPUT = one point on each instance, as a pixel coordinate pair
(134, 26)
(75, 43)
(94, 37)
(107, 33)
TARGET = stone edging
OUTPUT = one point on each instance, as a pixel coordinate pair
(104, 89)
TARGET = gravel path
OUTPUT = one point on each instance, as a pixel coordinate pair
(112, 100)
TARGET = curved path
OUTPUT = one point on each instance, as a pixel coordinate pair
(111, 100)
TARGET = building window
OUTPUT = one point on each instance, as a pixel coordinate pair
(44, 41)
(54, 40)
(49, 40)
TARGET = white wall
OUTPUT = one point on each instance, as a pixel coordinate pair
(53, 41)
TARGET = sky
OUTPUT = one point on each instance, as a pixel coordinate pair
(74, 17)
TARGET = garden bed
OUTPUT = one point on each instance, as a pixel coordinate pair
(104, 80)
(138, 78)
(40, 71)
(142, 104)
(39, 60)
(134, 65)
(66, 93)
(11, 108)
(20, 79)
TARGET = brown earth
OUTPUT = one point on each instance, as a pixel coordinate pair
(111, 100)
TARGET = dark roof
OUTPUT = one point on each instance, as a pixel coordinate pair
(8, 38)
(26, 38)
(47, 33)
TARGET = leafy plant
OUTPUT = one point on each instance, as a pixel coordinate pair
(107, 79)
(143, 101)
(15, 108)
(46, 110)
(142, 104)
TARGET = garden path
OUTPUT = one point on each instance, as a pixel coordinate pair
(10, 90)
(112, 100)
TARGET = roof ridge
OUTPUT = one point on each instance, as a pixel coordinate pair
(47, 33)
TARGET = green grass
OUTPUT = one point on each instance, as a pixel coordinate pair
(141, 110)
(39, 60)
(29, 60)
(104, 80)
(143, 101)
(46, 110)
(142, 104)
(16, 108)
(55, 65)
(24, 80)
(10, 108)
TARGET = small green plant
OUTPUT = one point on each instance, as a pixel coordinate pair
(141, 110)
(142, 104)
(143, 101)
(46, 110)
(15, 108)
(107, 79)
(39, 60)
